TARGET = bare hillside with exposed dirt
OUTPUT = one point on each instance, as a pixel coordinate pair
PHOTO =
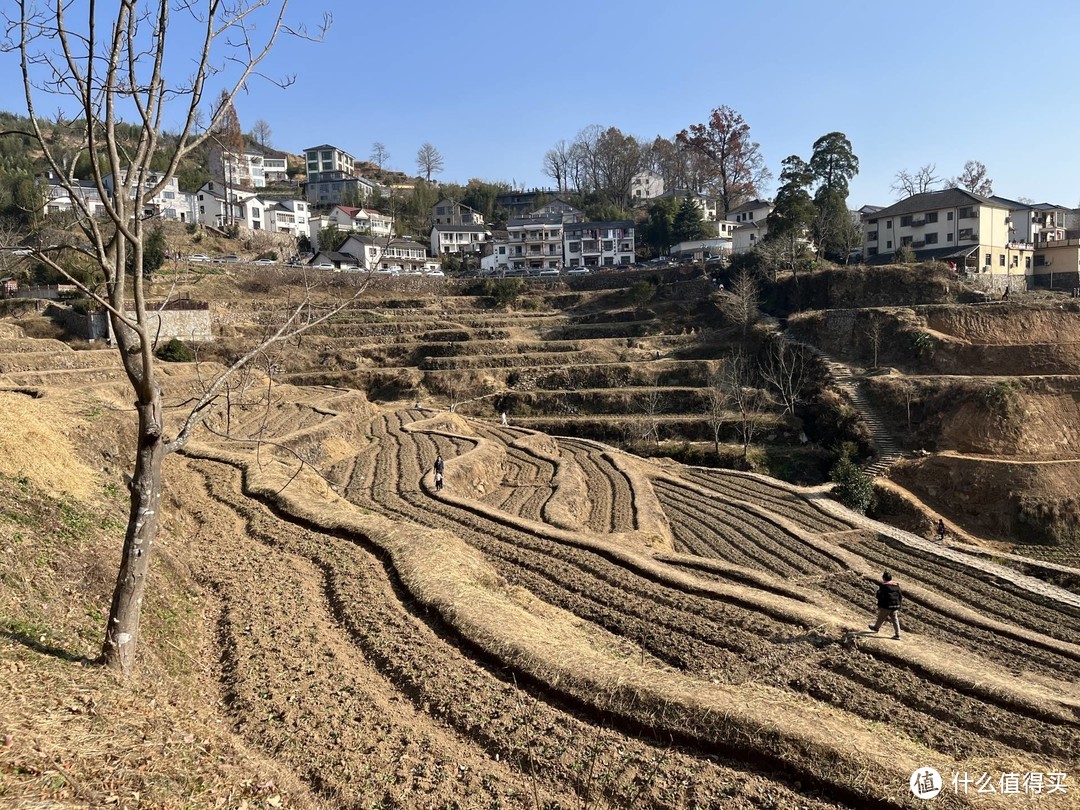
(565, 624)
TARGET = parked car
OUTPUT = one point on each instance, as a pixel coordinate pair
(434, 273)
(577, 271)
(229, 258)
(323, 266)
(198, 257)
(549, 273)
(264, 262)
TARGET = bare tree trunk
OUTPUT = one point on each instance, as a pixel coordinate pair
(122, 632)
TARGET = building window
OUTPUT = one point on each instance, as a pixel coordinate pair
(948, 216)
(872, 236)
(930, 238)
(906, 240)
(575, 247)
(1027, 262)
(966, 233)
(905, 221)
(989, 259)
(609, 244)
(888, 223)
(931, 217)
(968, 213)
(1001, 259)
(948, 237)
(888, 245)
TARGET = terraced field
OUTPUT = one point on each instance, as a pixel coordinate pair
(709, 585)
(566, 624)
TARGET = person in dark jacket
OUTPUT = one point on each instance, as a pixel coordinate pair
(439, 464)
(888, 603)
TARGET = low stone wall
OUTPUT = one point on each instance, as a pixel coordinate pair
(190, 324)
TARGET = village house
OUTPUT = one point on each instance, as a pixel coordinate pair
(973, 232)
(332, 178)
(448, 212)
(361, 220)
(459, 239)
(599, 244)
(750, 224)
(169, 202)
(382, 253)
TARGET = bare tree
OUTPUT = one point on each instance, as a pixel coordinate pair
(227, 135)
(557, 162)
(652, 405)
(429, 161)
(717, 411)
(585, 148)
(379, 155)
(908, 184)
(785, 370)
(873, 336)
(974, 178)
(734, 390)
(741, 303)
(106, 67)
(261, 132)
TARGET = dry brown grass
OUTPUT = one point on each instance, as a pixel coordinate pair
(35, 443)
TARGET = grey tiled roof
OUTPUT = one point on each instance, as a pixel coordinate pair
(933, 200)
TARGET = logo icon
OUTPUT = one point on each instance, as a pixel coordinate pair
(925, 783)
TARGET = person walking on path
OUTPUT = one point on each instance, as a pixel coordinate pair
(439, 464)
(438, 481)
(888, 603)
(941, 531)
(505, 421)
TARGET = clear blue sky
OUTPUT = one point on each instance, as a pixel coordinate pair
(494, 86)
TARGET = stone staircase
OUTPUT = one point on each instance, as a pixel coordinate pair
(845, 378)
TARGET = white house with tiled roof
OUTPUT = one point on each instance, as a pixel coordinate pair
(750, 224)
(380, 253)
(364, 220)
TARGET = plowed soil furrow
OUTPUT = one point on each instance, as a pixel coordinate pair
(712, 637)
(790, 547)
(623, 508)
(520, 495)
(374, 747)
(499, 497)
(996, 598)
(702, 539)
(773, 498)
(533, 508)
(744, 530)
(571, 567)
(772, 657)
(601, 499)
(532, 469)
